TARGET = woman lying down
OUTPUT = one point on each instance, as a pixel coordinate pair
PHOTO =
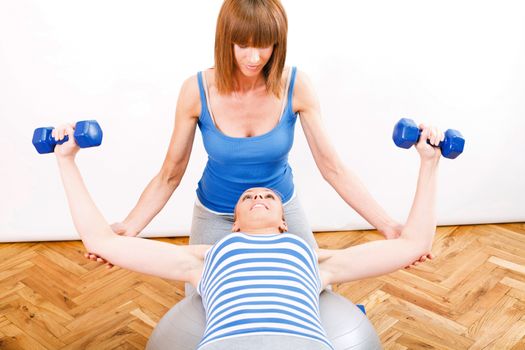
(259, 285)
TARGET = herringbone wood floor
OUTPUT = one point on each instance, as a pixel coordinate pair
(472, 296)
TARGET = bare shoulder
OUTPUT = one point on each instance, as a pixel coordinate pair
(189, 97)
(304, 95)
(326, 269)
(323, 254)
(198, 253)
(199, 250)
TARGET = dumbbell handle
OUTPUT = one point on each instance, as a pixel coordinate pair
(428, 141)
(53, 141)
(440, 144)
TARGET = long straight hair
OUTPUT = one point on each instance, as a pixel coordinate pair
(257, 23)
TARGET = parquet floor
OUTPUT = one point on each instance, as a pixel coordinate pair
(471, 296)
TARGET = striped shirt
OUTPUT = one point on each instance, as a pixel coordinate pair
(261, 284)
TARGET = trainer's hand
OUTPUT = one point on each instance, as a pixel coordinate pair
(422, 259)
(95, 257)
(392, 231)
(121, 228)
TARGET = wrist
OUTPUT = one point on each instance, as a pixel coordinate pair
(63, 160)
(430, 163)
(391, 229)
(129, 228)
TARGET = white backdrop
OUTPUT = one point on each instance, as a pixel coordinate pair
(458, 64)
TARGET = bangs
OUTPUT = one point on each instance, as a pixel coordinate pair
(259, 28)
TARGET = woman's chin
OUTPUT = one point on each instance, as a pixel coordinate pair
(251, 72)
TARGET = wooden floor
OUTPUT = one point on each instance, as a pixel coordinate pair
(472, 296)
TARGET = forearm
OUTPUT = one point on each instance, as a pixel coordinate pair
(347, 184)
(421, 222)
(152, 200)
(88, 221)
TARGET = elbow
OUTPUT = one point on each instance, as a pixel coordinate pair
(423, 249)
(417, 249)
(93, 247)
(408, 253)
(171, 176)
(99, 245)
(331, 171)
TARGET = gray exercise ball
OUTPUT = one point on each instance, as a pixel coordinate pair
(182, 327)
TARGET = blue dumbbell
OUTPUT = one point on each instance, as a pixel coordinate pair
(87, 134)
(407, 133)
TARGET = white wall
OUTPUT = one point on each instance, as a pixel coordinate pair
(458, 64)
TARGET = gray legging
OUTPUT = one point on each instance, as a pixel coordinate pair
(182, 327)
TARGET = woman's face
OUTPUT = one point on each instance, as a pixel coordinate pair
(251, 60)
(257, 208)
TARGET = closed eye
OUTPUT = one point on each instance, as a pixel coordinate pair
(241, 46)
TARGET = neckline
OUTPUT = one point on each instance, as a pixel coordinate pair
(262, 234)
(284, 109)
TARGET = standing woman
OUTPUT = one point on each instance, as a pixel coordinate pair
(246, 107)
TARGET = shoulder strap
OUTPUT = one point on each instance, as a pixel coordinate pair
(292, 84)
(285, 93)
(205, 106)
(207, 98)
(201, 91)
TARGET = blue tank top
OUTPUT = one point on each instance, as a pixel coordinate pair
(261, 284)
(238, 163)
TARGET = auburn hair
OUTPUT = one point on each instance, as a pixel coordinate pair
(256, 23)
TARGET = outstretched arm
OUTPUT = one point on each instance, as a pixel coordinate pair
(142, 255)
(382, 257)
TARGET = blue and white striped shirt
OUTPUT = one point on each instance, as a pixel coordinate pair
(261, 284)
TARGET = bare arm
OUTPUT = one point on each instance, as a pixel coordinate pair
(382, 257)
(345, 182)
(161, 187)
(142, 255)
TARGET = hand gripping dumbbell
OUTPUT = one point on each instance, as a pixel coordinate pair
(87, 134)
(407, 133)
